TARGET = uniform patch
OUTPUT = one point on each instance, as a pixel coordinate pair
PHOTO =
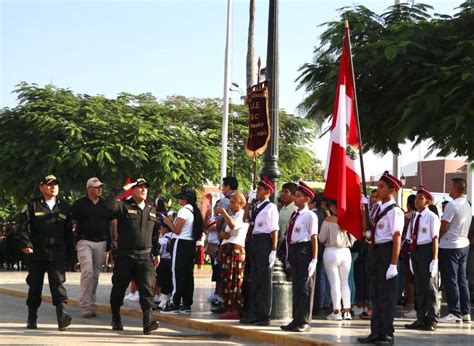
(424, 230)
(297, 229)
(153, 215)
(260, 224)
(132, 211)
(62, 216)
(380, 226)
(39, 213)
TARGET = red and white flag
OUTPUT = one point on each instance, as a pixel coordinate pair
(342, 173)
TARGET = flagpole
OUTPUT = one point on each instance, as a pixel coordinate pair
(356, 107)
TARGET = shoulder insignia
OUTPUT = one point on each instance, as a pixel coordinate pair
(132, 211)
(62, 216)
(25, 208)
(39, 213)
(153, 214)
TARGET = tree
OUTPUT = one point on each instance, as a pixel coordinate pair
(414, 77)
(251, 46)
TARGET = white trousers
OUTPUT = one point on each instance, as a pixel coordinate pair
(90, 255)
(337, 262)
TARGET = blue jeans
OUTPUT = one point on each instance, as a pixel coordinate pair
(453, 273)
(324, 288)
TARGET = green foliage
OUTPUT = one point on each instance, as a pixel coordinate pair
(173, 142)
(414, 76)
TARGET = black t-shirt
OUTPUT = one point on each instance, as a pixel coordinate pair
(92, 219)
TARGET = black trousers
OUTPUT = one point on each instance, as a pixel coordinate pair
(164, 276)
(383, 292)
(35, 279)
(300, 255)
(183, 268)
(141, 270)
(260, 276)
(426, 287)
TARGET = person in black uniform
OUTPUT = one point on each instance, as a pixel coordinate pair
(135, 244)
(45, 237)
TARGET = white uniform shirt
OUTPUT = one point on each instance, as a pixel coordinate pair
(267, 220)
(186, 213)
(428, 228)
(459, 215)
(306, 225)
(389, 224)
(163, 241)
(240, 226)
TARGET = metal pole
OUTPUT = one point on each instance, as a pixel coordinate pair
(270, 158)
(225, 107)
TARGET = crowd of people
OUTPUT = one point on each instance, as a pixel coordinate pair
(397, 261)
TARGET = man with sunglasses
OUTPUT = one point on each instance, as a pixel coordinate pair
(91, 220)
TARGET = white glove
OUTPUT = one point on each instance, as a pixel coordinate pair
(434, 268)
(364, 199)
(411, 267)
(391, 271)
(271, 258)
(252, 196)
(312, 267)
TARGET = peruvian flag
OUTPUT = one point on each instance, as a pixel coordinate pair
(343, 169)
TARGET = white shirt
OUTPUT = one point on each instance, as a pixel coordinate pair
(267, 220)
(163, 241)
(459, 215)
(240, 226)
(389, 224)
(428, 228)
(51, 203)
(306, 225)
(186, 213)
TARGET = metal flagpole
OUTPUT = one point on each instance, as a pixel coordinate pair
(225, 116)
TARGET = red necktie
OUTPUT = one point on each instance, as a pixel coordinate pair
(414, 236)
(291, 224)
(374, 227)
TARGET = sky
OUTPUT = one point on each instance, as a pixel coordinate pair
(166, 47)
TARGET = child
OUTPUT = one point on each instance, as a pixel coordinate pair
(163, 271)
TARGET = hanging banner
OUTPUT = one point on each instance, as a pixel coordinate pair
(259, 120)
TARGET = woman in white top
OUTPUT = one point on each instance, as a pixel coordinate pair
(233, 256)
(337, 262)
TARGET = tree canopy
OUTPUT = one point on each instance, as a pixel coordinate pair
(414, 76)
(171, 142)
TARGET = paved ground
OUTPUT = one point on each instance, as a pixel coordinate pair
(207, 329)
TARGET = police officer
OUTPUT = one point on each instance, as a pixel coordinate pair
(136, 241)
(387, 228)
(45, 237)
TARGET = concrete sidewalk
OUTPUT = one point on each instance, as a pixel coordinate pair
(323, 332)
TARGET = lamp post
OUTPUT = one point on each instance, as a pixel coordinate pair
(403, 179)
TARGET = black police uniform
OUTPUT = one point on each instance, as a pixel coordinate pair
(137, 240)
(49, 233)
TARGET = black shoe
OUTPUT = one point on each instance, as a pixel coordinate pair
(170, 309)
(217, 310)
(288, 327)
(265, 322)
(185, 309)
(248, 320)
(371, 339)
(149, 324)
(303, 328)
(64, 319)
(385, 340)
(429, 326)
(31, 323)
(117, 322)
(415, 325)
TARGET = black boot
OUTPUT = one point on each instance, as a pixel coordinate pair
(32, 317)
(149, 324)
(64, 319)
(116, 319)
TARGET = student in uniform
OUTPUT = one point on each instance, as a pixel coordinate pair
(423, 232)
(387, 227)
(302, 245)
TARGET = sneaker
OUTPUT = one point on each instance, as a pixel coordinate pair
(170, 309)
(450, 319)
(334, 317)
(347, 316)
(135, 297)
(185, 309)
(466, 318)
(410, 314)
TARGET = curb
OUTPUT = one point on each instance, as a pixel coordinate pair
(271, 336)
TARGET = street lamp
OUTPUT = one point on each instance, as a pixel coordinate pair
(236, 87)
(403, 179)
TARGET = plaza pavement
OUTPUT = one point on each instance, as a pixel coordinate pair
(12, 284)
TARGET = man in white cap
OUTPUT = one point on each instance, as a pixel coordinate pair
(91, 220)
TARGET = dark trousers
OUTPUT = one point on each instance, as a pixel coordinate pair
(300, 255)
(383, 292)
(141, 270)
(164, 276)
(361, 280)
(453, 273)
(426, 287)
(35, 278)
(260, 276)
(183, 267)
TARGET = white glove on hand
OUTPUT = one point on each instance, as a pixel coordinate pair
(411, 267)
(271, 258)
(364, 199)
(434, 268)
(391, 271)
(312, 267)
(252, 196)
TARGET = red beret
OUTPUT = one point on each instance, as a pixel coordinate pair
(391, 180)
(305, 189)
(267, 184)
(425, 192)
